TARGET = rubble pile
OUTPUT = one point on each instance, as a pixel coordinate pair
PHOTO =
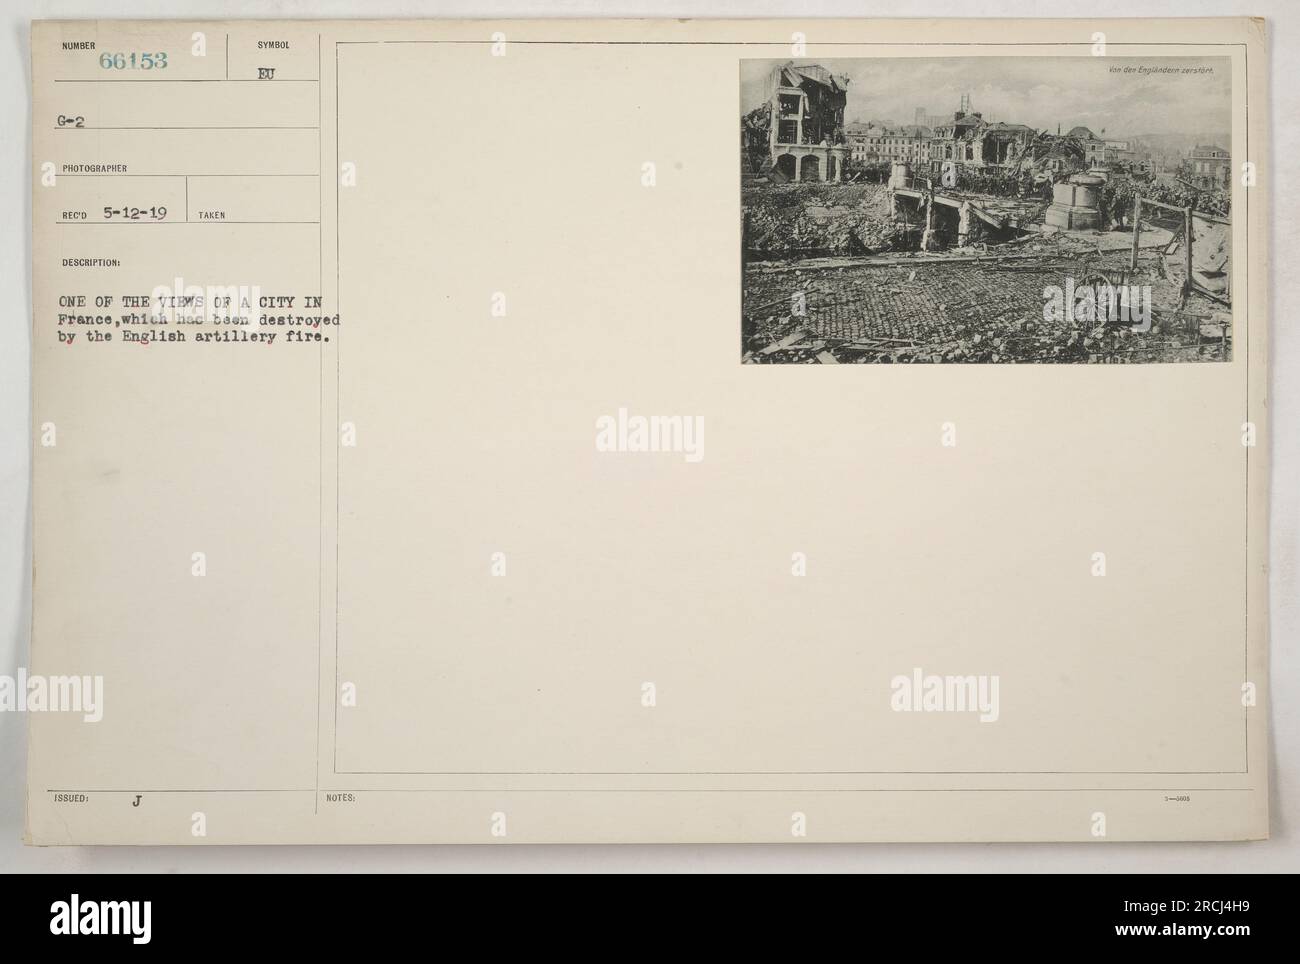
(1211, 256)
(787, 221)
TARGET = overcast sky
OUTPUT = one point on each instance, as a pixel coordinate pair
(1097, 92)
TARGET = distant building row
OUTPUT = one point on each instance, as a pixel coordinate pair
(967, 139)
(800, 132)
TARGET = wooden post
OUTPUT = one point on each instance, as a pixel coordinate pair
(929, 220)
(1137, 229)
(1187, 244)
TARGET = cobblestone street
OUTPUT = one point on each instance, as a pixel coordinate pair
(949, 309)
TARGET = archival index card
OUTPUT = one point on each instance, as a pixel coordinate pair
(648, 431)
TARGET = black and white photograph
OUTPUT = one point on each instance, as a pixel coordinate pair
(987, 210)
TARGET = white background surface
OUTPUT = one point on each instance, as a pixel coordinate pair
(1281, 853)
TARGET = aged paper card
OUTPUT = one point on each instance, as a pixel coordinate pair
(648, 431)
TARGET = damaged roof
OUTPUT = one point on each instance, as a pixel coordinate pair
(1002, 127)
(815, 73)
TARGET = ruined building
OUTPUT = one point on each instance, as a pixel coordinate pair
(806, 128)
(967, 139)
(1094, 148)
(1001, 145)
(954, 140)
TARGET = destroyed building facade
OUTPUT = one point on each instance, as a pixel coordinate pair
(806, 140)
